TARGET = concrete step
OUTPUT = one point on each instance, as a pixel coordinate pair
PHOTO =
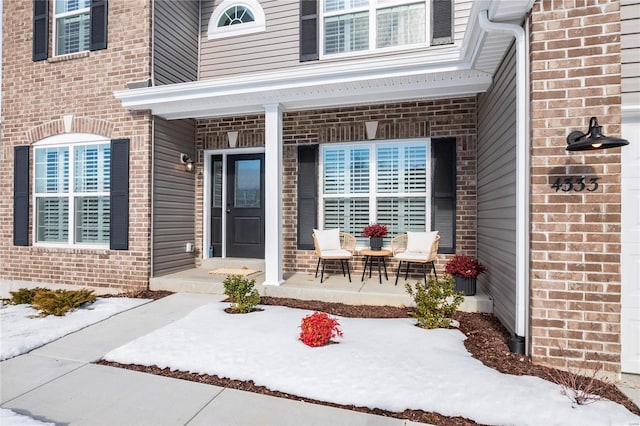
(335, 288)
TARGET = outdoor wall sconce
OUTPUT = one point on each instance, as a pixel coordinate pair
(593, 139)
(189, 165)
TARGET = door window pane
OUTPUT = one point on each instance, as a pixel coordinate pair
(247, 184)
(217, 183)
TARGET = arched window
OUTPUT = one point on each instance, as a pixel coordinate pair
(232, 18)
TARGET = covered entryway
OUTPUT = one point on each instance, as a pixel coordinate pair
(237, 205)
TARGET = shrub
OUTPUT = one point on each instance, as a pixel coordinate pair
(59, 302)
(318, 328)
(24, 296)
(436, 301)
(240, 290)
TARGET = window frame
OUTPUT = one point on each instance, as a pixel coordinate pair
(373, 195)
(257, 25)
(56, 16)
(69, 141)
(372, 8)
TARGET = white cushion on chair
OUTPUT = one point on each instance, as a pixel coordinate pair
(329, 239)
(420, 242)
(335, 254)
(412, 255)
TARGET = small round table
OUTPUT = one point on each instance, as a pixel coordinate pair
(378, 255)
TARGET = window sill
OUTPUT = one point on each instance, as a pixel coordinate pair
(69, 57)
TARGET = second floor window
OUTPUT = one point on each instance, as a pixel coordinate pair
(361, 25)
(72, 26)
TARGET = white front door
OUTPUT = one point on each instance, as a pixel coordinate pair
(630, 259)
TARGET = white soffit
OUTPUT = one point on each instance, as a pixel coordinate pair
(215, 103)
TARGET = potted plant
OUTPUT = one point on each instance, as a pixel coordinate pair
(375, 232)
(465, 270)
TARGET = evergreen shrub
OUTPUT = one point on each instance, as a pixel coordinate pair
(240, 290)
(436, 302)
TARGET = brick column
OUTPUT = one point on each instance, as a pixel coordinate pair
(575, 235)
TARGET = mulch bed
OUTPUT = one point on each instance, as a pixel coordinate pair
(486, 341)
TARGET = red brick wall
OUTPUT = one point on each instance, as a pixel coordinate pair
(575, 235)
(441, 118)
(36, 95)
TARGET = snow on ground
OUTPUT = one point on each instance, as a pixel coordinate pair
(10, 418)
(22, 330)
(380, 363)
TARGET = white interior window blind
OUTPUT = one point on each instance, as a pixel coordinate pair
(386, 183)
(88, 167)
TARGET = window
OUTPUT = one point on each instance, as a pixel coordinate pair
(233, 18)
(72, 26)
(384, 182)
(363, 25)
(72, 193)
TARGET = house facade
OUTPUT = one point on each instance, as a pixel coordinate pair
(420, 114)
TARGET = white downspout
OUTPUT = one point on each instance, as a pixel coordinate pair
(522, 169)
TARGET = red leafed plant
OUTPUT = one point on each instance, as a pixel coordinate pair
(464, 266)
(318, 328)
(375, 230)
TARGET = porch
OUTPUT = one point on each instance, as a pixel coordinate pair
(335, 287)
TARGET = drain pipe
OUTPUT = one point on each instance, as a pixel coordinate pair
(517, 342)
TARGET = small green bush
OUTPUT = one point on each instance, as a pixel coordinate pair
(24, 296)
(436, 301)
(240, 290)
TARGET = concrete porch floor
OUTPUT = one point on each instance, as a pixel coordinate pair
(335, 287)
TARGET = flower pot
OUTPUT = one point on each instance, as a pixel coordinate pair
(375, 243)
(465, 285)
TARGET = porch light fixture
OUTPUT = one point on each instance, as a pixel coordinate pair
(189, 165)
(593, 139)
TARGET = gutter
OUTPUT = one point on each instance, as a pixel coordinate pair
(518, 342)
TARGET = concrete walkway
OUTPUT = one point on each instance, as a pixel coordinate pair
(59, 383)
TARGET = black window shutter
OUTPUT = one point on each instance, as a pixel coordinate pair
(308, 30)
(443, 192)
(307, 194)
(40, 30)
(119, 206)
(98, 14)
(441, 22)
(21, 195)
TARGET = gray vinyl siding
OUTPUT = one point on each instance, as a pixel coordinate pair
(496, 190)
(277, 48)
(176, 25)
(630, 40)
(173, 197)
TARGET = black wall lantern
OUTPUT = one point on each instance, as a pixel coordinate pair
(189, 165)
(593, 139)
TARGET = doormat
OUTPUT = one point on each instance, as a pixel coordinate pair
(234, 271)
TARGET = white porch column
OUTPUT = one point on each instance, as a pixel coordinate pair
(273, 194)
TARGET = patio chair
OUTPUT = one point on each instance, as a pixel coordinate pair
(416, 247)
(331, 244)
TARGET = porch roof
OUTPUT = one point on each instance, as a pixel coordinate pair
(442, 72)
